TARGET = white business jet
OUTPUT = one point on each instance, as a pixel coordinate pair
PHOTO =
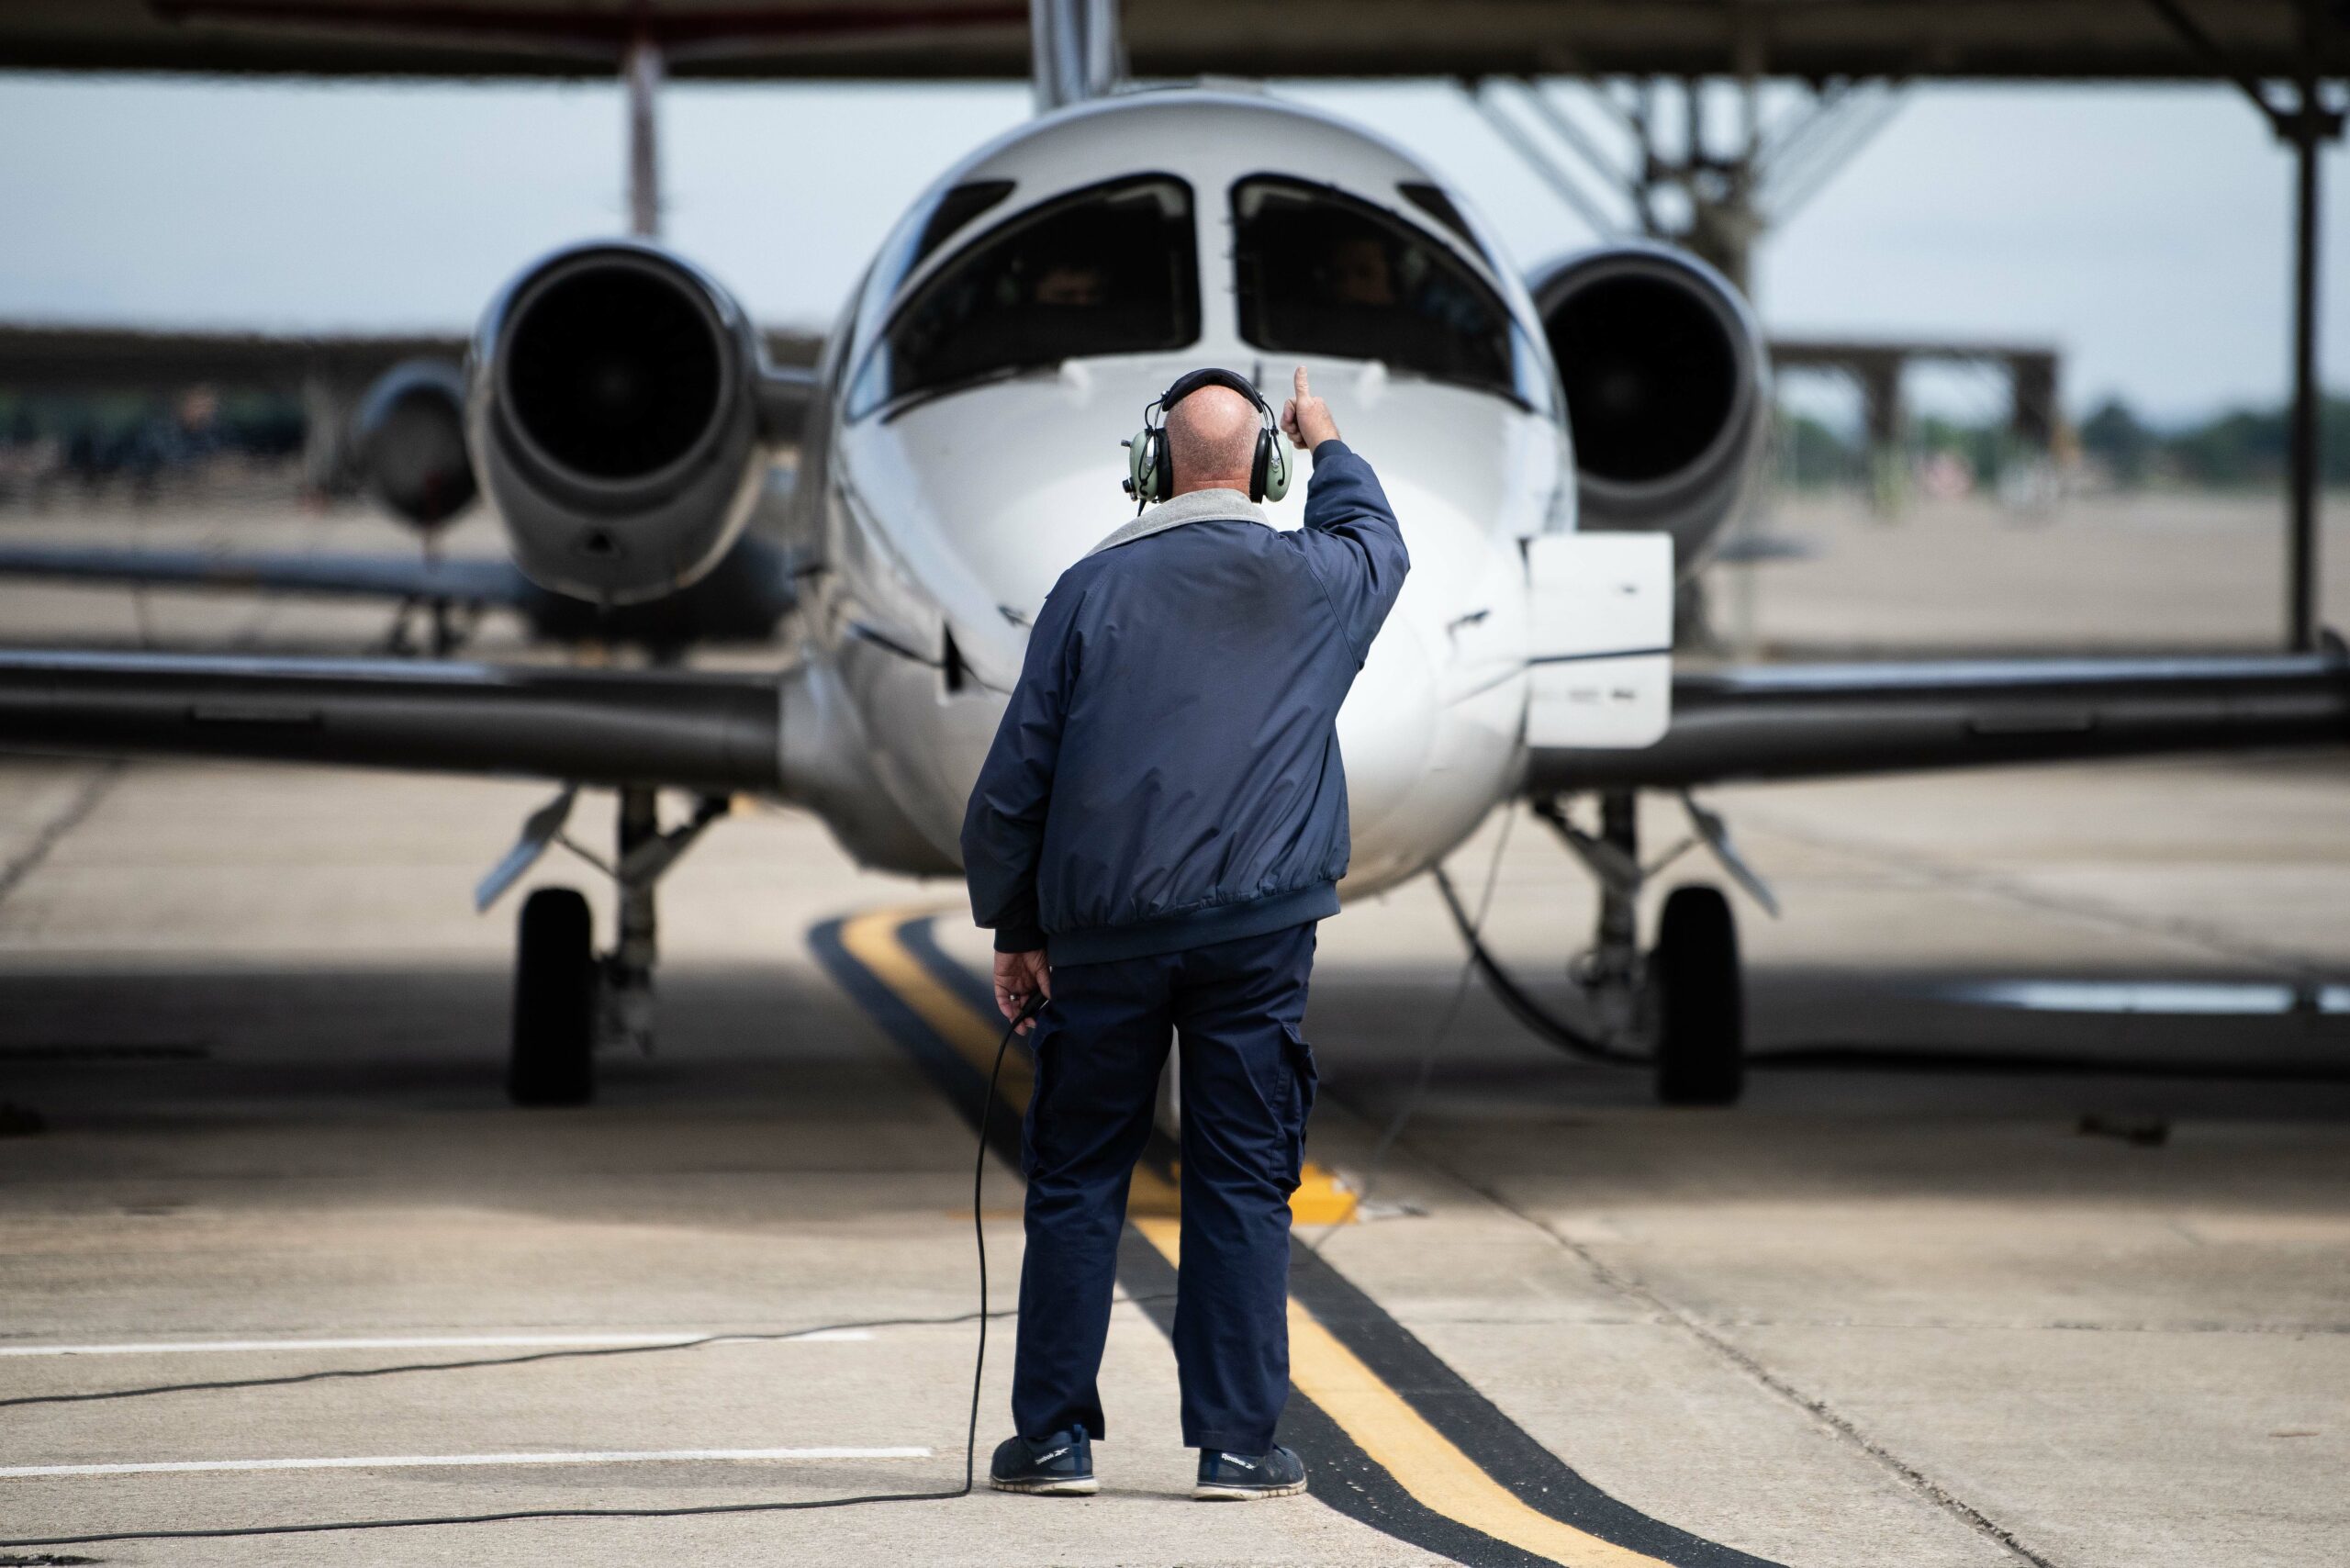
(1558, 451)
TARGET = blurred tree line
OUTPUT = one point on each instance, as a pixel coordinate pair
(2241, 449)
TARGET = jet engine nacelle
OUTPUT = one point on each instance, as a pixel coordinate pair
(409, 434)
(1668, 391)
(613, 417)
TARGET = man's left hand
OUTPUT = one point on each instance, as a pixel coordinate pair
(1018, 977)
(1306, 417)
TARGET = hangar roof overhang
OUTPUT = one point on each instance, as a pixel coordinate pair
(771, 39)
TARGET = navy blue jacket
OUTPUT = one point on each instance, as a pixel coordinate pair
(1167, 773)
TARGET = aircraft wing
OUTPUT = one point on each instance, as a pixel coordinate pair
(722, 732)
(1812, 720)
(462, 581)
(699, 730)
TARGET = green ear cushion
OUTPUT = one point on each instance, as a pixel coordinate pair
(1142, 466)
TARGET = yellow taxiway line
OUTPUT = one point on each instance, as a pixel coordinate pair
(1425, 1462)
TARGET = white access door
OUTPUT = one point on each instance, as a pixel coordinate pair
(1600, 639)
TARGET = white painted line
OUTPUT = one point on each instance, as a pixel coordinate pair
(2179, 997)
(420, 1460)
(437, 1342)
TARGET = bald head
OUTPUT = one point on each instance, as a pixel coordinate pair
(1212, 440)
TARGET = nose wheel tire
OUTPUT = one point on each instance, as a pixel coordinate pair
(551, 1060)
(1699, 999)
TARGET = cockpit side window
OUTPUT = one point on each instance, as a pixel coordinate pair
(1111, 269)
(955, 209)
(1323, 272)
(1432, 200)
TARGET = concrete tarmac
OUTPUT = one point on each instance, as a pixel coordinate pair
(1865, 1318)
(266, 1222)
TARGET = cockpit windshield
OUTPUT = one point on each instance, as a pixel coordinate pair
(1109, 270)
(1323, 272)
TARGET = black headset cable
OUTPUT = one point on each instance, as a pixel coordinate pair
(1375, 1166)
(1835, 1056)
(971, 1436)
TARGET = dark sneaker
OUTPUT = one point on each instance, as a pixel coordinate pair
(1241, 1477)
(1057, 1466)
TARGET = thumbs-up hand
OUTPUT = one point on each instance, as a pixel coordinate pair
(1305, 419)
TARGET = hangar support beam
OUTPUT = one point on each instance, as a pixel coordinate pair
(1675, 185)
(1877, 366)
(2306, 123)
(2312, 127)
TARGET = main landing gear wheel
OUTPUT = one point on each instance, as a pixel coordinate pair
(1700, 1000)
(555, 1001)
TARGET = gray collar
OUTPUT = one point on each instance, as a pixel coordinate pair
(1194, 505)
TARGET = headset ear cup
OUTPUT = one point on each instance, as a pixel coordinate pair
(1162, 465)
(1272, 467)
(1142, 472)
(1260, 468)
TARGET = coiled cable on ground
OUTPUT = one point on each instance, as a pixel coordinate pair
(941, 1495)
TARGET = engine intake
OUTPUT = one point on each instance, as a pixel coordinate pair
(1668, 391)
(614, 420)
(410, 436)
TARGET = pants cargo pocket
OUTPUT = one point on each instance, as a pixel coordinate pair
(1304, 1080)
(1040, 1045)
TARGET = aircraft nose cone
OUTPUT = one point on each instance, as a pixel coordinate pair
(1387, 729)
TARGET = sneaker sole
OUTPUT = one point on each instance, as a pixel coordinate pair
(1209, 1494)
(1085, 1488)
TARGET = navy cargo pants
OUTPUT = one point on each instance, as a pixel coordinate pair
(1247, 1080)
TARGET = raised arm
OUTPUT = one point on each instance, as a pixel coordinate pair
(1352, 540)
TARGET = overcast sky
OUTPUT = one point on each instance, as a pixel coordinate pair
(2146, 231)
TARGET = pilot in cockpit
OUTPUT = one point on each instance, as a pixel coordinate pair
(1358, 272)
(1070, 285)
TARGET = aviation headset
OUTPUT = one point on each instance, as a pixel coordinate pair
(1150, 471)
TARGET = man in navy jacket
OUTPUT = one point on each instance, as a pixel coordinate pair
(1159, 823)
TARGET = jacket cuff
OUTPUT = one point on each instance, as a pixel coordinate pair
(1333, 447)
(1018, 938)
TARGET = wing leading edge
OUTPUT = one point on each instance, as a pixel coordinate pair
(718, 732)
(458, 580)
(703, 731)
(1812, 720)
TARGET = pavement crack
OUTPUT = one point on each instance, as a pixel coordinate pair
(1639, 1292)
(94, 789)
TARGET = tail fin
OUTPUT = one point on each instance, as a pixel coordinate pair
(1078, 50)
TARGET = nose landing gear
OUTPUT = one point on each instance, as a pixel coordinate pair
(1681, 1005)
(552, 1058)
(1699, 999)
(567, 1000)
